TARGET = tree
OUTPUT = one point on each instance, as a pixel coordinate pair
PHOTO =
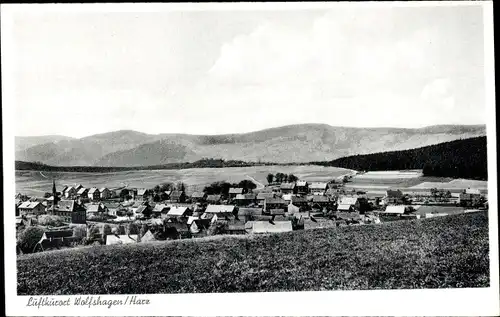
(121, 230)
(80, 232)
(47, 195)
(292, 178)
(129, 213)
(279, 177)
(269, 178)
(50, 220)
(181, 187)
(247, 185)
(132, 228)
(28, 239)
(156, 189)
(124, 193)
(106, 230)
(166, 186)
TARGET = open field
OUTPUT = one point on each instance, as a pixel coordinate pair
(36, 183)
(442, 252)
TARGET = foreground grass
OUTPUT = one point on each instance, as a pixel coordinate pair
(432, 253)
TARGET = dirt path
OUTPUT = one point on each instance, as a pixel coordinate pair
(259, 184)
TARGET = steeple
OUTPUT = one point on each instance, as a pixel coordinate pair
(54, 195)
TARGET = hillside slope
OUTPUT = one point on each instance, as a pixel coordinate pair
(458, 159)
(294, 143)
(442, 252)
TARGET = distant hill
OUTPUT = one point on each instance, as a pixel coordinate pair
(458, 159)
(287, 144)
(24, 142)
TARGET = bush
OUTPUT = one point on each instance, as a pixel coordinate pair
(80, 232)
(29, 238)
(50, 221)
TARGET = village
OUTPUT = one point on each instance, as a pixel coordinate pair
(77, 216)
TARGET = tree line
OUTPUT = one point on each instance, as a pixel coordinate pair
(203, 163)
(222, 187)
(464, 158)
(281, 178)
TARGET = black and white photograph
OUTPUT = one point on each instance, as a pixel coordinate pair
(183, 159)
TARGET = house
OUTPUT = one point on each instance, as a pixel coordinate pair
(214, 199)
(395, 210)
(112, 239)
(470, 197)
(82, 192)
(317, 188)
(105, 193)
(143, 211)
(112, 208)
(70, 211)
(199, 225)
(31, 208)
(70, 192)
(248, 214)
(262, 196)
(245, 199)
(274, 203)
(148, 236)
(348, 216)
(235, 191)
(393, 197)
(160, 209)
(177, 196)
(302, 187)
(300, 202)
(179, 212)
(94, 209)
(94, 194)
(142, 194)
(177, 230)
(322, 201)
(55, 239)
(288, 188)
(345, 208)
(220, 209)
(78, 187)
(274, 227)
(235, 227)
(352, 201)
(198, 197)
(332, 192)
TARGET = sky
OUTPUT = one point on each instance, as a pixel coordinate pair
(215, 72)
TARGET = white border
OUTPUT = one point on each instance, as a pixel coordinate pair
(444, 302)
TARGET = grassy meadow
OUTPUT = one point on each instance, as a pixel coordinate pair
(445, 252)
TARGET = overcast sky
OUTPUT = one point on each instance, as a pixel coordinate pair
(211, 72)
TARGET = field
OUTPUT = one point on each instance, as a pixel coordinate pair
(37, 183)
(378, 182)
(445, 252)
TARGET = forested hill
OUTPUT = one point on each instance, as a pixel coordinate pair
(465, 158)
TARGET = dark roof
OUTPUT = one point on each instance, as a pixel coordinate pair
(276, 200)
(202, 223)
(180, 227)
(66, 205)
(58, 234)
(296, 199)
(249, 211)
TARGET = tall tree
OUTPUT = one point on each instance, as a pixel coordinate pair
(269, 178)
